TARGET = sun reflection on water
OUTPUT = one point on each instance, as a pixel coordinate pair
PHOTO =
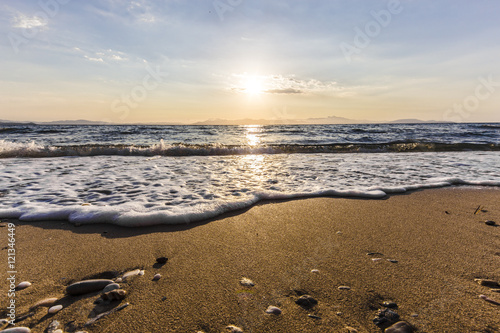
(253, 134)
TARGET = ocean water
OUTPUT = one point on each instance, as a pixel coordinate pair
(144, 175)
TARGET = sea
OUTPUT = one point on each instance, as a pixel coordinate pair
(141, 175)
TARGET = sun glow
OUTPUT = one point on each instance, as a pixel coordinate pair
(253, 85)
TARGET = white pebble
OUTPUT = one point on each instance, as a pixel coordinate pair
(23, 285)
(129, 274)
(157, 277)
(273, 310)
(234, 329)
(246, 282)
(141, 273)
(344, 288)
(55, 309)
(119, 280)
(376, 259)
(17, 330)
(314, 270)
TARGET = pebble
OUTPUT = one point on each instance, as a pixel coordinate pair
(141, 272)
(111, 286)
(46, 302)
(385, 316)
(394, 261)
(306, 301)
(23, 285)
(487, 299)
(17, 330)
(376, 259)
(488, 222)
(390, 304)
(119, 280)
(399, 327)
(234, 329)
(344, 288)
(314, 270)
(55, 309)
(350, 329)
(114, 295)
(130, 274)
(162, 260)
(488, 283)
(53, 327)
(313, 316)
(273, 310)
(157, 277)
(87, 286)
(246, 282)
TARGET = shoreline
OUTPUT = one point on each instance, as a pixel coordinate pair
(276, 244)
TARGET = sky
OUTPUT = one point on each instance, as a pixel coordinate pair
(192, 60)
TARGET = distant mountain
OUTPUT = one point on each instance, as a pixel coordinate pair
(309, 121)
(74, 122)
(9, 122)
(417, 121)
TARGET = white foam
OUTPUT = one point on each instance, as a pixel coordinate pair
(140, 191)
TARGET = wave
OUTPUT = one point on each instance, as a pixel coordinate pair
(32, 149)
(127, 217)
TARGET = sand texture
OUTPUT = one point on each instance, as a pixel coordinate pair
(437, 245)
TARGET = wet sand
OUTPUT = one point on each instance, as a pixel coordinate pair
(439, 244)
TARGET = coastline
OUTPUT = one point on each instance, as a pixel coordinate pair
(439, 244)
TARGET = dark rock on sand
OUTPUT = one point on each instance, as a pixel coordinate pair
(114, 295)
(385, 317)
(162, 260)
(87, 286)
(399, 327)
(488, 283)
(488, 222)
(390, 304)
(306, 301)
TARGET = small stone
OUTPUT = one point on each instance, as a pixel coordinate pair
(157, 277)
(390, 304)
(306, 301)
(394, 261)
(339, 232)
(114, 295)
(119, 280)
(164, 298)
(141, 272)
(234, 329)
(162, 260)
(23, 285)
(385, 317)
(488, 222)
(87, 286)
(313, 316)
(53, 327)
(376, 259)
(246, 282)
(338, 313)
(315, 271)
(273, 310)
(17, 330)
(399, 327)
(111, 286)
(414, 315)
(489, 300)
(488, 283)
(46, 302)
(131, 274)
(344, 288)
(55, 309)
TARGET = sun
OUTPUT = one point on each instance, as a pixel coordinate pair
(252, 85)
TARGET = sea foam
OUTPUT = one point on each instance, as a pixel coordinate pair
(141, 191)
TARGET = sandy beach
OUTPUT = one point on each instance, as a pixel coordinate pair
(420, 250)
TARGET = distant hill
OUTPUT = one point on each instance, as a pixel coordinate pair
(308, 121)
(74, 122)
(417, 121)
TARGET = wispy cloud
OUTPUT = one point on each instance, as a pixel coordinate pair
(27, 22)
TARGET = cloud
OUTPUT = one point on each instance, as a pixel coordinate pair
(26, 22)
(284, 91)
